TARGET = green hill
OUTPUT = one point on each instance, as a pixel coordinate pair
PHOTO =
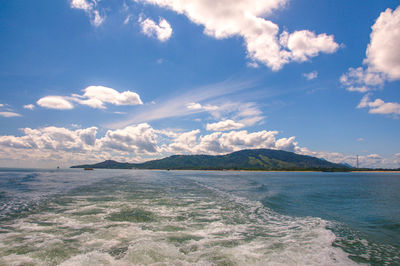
(259, 159)
(109, 164)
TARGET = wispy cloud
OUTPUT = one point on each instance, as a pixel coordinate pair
(310, 76)
(224, 125)
(177, 105)
(90, 8)
(9, 114)
(6, 111)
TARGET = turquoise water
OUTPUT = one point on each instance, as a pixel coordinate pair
(139, 217)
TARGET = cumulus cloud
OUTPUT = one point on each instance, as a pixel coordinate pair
(9, 114)
(94, 96)
(137, 139)
(29, 106)
(220, 143)
(362, 80)
(310, 76)
(383, 54)
(369, 160)
(382, 63)
(81, 4)
(90, 9)
(305, 44)
(378, 106)
(57, 145)
(286, 144)
(55, 102)
(162, 31)
(52, 138)
(246, 18)
(224, 125)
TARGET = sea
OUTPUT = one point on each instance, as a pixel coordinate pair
(151, 217)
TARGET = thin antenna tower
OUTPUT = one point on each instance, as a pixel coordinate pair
(357, 161)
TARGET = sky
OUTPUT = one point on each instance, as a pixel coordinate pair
(83, 81)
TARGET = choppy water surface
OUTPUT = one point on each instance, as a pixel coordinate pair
(125, 217)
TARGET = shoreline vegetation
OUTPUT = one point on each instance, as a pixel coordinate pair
(244, 160)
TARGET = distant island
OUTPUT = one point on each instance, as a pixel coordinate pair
(255, 160)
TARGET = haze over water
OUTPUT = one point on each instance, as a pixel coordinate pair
(122, 217)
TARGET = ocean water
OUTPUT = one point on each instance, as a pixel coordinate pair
(140, 217)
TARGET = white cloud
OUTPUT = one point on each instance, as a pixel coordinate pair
(310, 76)
(220, 143)
(136, 139)
(305, 44)
(246, 114)
(55, 102)
(246, 18)
(382, 63)
(286, 144)
(370, 161)
(194, 106)
(9, 114)
(362, 80)
(96, 96)
(51, 146)
(198, 106)
(81, 4)
(383, 53)
(127, 19)
(184, 142)
(359, 89)
(162, 31)
(29, 106)
(90, 9)
(52, 138)
(379, 106)
(224, 125)
(253, 64)
(184, 104)
(97, 20)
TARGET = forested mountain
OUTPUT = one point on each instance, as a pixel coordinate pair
(258, 159)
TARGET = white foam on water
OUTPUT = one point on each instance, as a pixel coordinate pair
(94, 258)
(20, 260)
(201, 226)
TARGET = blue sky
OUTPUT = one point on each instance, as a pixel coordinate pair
(84, 80)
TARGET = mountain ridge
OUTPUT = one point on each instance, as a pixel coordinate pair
(249, 159)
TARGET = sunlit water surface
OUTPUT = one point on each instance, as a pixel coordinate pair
(128, 217)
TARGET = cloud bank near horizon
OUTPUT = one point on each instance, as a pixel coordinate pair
(62, 146)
